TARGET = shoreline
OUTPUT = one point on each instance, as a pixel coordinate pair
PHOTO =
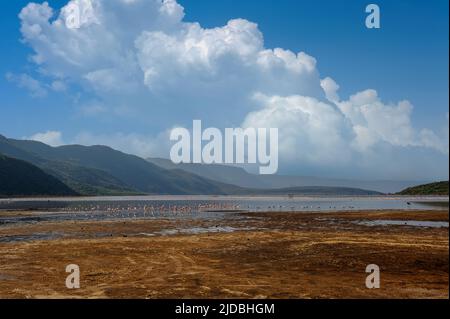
(199, 197)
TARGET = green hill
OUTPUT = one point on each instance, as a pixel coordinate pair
(84, 180)
(101, 170)
(439, 188)
(19, 178)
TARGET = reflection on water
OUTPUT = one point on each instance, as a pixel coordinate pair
(30, 237)
(164, 232)
(192, 208)
(197, 230)
(413, 223)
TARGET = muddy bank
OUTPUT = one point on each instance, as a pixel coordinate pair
(261, 255)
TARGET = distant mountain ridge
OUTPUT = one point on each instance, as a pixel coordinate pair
(242, 178)
(19, 178)
(101, 170)
(86, 181)
(315, 191)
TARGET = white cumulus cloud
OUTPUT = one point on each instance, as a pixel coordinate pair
(142, 55)
(310, 131)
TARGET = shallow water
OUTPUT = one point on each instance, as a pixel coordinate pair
(121, 214)
(164, 232)
(197, 230)
(30, 237)
(250, 203)
(413, 223)
(197, 207)
(191, 208)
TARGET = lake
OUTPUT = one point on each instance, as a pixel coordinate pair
(209, 207)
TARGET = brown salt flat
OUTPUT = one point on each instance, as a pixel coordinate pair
(269, 255)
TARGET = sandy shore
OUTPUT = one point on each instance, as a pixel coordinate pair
(260, 255)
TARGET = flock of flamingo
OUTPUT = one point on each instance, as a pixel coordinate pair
(148, 211)
(139, 211)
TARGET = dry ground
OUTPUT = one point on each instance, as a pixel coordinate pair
(277, 255)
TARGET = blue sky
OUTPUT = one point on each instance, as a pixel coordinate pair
(407, 59)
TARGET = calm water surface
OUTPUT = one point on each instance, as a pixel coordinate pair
(209, 207)
(220, 208)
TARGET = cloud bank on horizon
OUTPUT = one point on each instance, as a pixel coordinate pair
(140, 58)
